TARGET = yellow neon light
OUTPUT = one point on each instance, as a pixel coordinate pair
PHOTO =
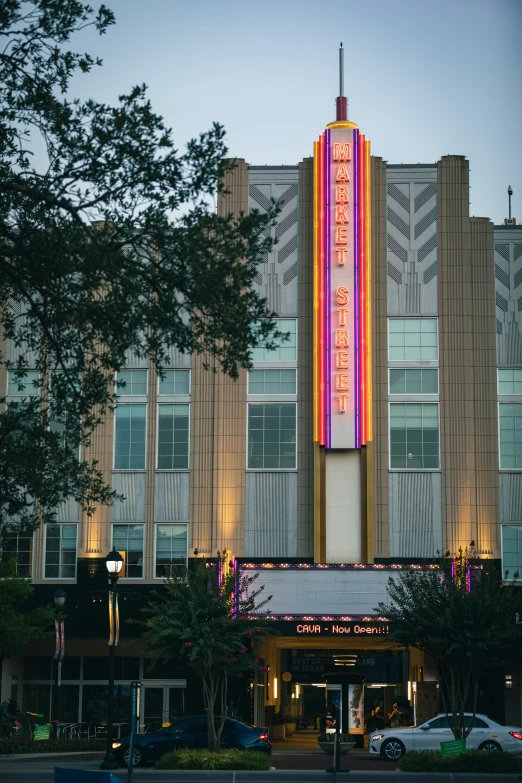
(315, 362)
(368, 255)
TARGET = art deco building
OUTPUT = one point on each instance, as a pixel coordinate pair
(387, 427)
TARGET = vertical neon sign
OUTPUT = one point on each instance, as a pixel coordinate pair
(342, 286)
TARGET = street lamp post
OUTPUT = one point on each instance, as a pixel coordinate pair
(114, 562)
(59, 599)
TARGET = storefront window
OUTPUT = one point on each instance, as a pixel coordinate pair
(67, 703)
(37, 699)
(95, 705)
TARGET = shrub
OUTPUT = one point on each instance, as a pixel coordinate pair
(330, 737)
(471, 761)
(15, 745)
(206, 759)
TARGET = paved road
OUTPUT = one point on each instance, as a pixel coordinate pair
(40, 770)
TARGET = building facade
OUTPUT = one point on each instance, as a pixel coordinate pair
(205, 463)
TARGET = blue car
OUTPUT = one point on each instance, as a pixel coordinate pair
(189, 732)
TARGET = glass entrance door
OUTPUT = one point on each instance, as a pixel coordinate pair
(161, 704)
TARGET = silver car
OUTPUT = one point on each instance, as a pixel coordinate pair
(486, 734)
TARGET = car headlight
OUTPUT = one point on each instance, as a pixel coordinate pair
(376, 737)
(116, 745)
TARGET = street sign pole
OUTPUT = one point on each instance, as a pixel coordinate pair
(134, 726)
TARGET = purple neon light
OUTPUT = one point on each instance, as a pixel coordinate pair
(328, 294)
(356, 175)
(236, 587)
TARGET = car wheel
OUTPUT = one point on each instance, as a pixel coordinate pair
(137, 757)
(393, 749)
(490, 747)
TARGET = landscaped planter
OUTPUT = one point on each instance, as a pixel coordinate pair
(346, 743)
(290, 728)
(278, 731)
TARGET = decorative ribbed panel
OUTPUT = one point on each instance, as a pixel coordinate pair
(511, 497)
(68, 511)
(172, 497)
(412, 239)
(132, 359)
(276, 277)
(132, 487)
(415, 514)
(271, 515)
(178, 359)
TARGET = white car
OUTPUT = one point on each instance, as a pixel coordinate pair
(485, 735)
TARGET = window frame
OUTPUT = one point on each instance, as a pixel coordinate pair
(279, 362)
(273, 402)
(275, 396)
(124, 392)
(501, 469)
(429, 396)
(391, 318)
(413, 470)
(156, 525)
(19, 395)
(515, 582)
(129, 470)
(31, 551)
(175, 395)
(172, 470)
(134, 524)
(512, 394)
(60, 578)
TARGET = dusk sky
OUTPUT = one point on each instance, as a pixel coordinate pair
(423, 79)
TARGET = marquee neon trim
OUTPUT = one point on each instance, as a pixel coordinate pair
(342, 288)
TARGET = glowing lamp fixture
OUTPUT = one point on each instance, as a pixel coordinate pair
(59, 597)
(114, 562)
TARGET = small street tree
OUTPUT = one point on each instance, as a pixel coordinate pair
(462, 614)
(110, 245)
(207, 618)
(19, 624)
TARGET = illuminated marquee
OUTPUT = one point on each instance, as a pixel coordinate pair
(342, 312)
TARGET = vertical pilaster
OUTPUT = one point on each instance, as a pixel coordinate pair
(379, 458)
(305, 458)
(218, 430)
(468, 439)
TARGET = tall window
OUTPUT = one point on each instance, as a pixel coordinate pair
(175, 382)
(512, 550)
(414, 436)
(173, 437)
(272, 381)
(272, 436)
(19, 546)
(413, 381)
(171, 548)
(412, 339)
(60, 551)
(129, 452)
(510, 381)
(510, 421)
(132, 382)
(286, 348)
(128, 541)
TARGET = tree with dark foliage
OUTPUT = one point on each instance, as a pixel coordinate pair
(461, 613)
(109, 243)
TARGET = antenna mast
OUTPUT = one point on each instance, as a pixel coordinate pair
(510, 193)
(341, 102)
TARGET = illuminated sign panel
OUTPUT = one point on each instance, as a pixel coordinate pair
(342, 337)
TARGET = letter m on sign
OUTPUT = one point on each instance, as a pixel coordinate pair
(342, 152)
